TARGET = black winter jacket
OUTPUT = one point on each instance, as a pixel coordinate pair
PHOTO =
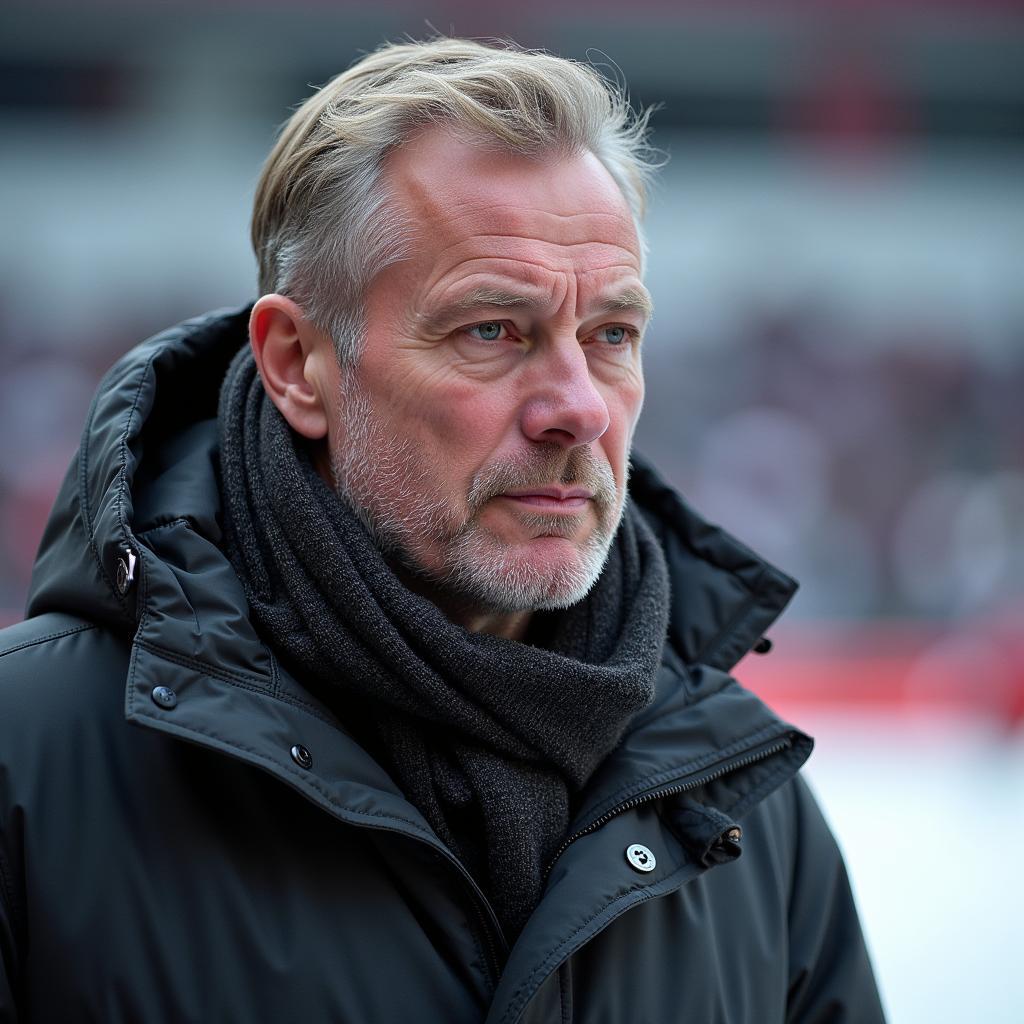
(187, 835)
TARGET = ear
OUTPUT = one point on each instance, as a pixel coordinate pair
(296, 362)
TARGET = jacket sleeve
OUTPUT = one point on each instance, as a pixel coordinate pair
(830, 975)
(8, 956)
(12, 888)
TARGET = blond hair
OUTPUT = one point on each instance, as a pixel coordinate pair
(322, 226)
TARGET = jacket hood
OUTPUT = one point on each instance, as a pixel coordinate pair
(138, 451)
(133, 535)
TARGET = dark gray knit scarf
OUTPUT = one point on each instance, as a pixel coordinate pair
(490, 738)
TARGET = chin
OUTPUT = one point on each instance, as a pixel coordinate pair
(544, 573)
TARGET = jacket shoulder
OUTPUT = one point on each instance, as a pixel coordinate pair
(37, 631)
(46, 660)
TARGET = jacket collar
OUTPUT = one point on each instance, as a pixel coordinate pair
(724, 597)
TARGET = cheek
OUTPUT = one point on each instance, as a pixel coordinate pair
(465, 417)
(624, 407)
(336, 420)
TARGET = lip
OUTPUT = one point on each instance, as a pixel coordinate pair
(557, 493)
(551, 499)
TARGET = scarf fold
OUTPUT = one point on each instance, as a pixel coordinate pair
(489, 738)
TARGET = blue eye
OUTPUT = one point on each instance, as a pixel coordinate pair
(489, 330)
(614, 335)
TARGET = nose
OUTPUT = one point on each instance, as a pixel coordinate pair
(567, 408)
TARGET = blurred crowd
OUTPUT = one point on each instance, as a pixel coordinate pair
(886, 472)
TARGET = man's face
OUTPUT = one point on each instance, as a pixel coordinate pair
(484, 436)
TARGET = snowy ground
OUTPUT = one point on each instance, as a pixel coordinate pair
(930, 813)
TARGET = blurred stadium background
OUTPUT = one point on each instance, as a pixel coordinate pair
(836, 365)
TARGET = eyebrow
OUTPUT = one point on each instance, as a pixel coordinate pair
(630, 300)
(479, 298)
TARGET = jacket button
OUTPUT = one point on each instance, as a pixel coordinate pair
(640, 857)
(164, 696)
(301, 756)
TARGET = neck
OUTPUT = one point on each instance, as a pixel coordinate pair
(510, 625)
(466, 613)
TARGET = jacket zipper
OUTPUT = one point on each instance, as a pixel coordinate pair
(658, 794)
(490, 953)
(486, 918)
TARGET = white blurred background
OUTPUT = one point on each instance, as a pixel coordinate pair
(836, 366)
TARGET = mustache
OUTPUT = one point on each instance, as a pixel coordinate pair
(544, 465)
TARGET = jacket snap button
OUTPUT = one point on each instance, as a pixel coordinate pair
(164, 696)
(125, 575)
(640, 857)
(301, 756)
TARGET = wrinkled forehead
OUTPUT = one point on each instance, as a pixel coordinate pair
(449, 189)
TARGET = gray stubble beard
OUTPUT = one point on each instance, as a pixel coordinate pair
(388, 486)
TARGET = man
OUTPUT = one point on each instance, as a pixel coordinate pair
(355, 688)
